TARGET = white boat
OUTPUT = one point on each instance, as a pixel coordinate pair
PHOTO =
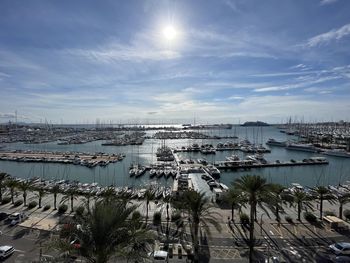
(302, 147)
(337, 153)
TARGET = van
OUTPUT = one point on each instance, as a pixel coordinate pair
(6, 251)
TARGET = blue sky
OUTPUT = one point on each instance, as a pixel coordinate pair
(76, 61)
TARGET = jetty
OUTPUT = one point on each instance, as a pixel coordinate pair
(247, 164)
(77, 158)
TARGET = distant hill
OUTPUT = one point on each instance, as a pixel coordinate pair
(255, 123)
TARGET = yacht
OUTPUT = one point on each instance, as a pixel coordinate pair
(273, 142)
(337, 153)
(302, 147)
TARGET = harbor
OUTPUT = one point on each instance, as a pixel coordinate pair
(160, 169)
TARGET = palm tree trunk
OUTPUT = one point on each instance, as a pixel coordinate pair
(88, 204)
(251, 231)
(1, 191)
(39, 201)
(147, 211)
(25, 198)
(233, 211)
(277, 213)
(54, 201)
(341, 210)
(195, 242)
(299, 211)
(321, 206)
(71, 203)
(12, 194)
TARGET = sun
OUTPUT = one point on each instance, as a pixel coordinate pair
(169, 33)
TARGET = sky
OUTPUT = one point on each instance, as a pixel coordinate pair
(225, 61)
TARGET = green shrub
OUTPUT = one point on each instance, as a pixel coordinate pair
(177, 219)
(289, 219)
(18, 203)
(6, 200)
(62, 209)
(244, 218)
(346, 213)
(32, 204)
(46, 207)
(136, 215)
(310, 217)
(329, 213)
(157, 219)
(79, 210)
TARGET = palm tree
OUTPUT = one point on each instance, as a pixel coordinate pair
(24, 186)
(235, 199)
(198, 210)
(3, 177)
(87, 197)
(149, 196)
(71, 194)
(55, 190)
(12, 185)
(40, 194)
(108, 232)
(277, 206)
(323, 193)
(342, 199)
(256, 191)
(301, 199)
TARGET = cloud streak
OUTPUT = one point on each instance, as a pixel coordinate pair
(332, 35)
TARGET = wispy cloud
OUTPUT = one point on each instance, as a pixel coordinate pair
(325, 38)
(327, 2)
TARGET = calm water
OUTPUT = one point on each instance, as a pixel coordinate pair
(336, 172)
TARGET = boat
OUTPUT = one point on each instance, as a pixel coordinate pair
(213, 171)
(273, 142)
(337, 153)
(152, 173)
(302, 147)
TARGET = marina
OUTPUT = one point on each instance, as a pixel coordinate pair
(160, 165)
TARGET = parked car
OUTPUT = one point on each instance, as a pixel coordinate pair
(341, 248)
(17, 218)
(342, 259)
(159, 256)
(6, 251)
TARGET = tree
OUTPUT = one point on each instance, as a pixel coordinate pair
(342, 199)
(235, 199)
(301, 199)
(277, 202)
(149, 196)
(200, 214)
(40, 193)
(24, 186)
(55, 190)
(323, 193)
(257, 192)
(70, 194)
(12, 185)
(107, 232)
(3, 177)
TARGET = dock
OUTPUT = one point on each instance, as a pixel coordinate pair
(229, 165)
(77, 158)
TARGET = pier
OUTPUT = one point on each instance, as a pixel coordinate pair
(245, 164)
(76, 158)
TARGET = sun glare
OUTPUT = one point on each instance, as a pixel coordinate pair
(169, 32)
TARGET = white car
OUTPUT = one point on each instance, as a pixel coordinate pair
(159, 256)
(17, 218)
(341, 248)
(6, 251)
